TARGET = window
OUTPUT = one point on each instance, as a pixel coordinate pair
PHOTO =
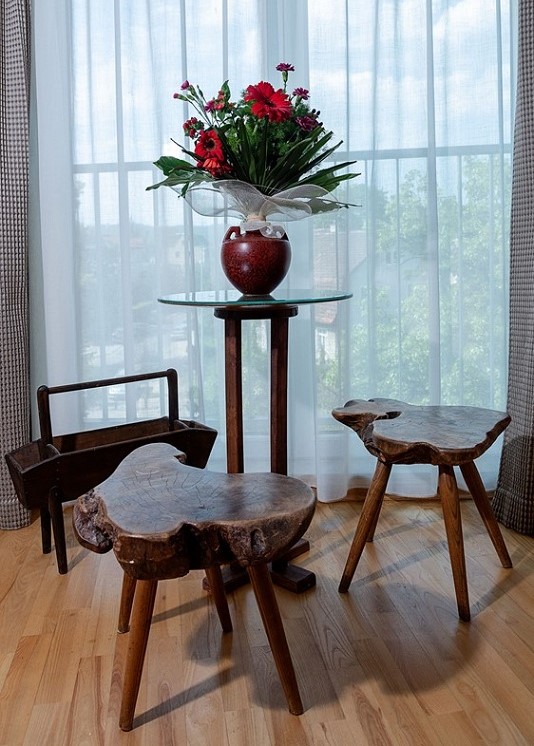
(420, 92)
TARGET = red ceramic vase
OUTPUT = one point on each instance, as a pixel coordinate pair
(253, 263)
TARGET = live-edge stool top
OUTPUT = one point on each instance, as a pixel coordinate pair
(163, 518)
(397, 432)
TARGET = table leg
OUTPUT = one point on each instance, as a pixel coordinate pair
(279, 346)
(233, 575)
(234, 396)
(291, 577)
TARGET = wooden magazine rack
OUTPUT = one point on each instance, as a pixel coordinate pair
(59, 468)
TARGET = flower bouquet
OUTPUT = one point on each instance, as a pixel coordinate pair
(260, 158)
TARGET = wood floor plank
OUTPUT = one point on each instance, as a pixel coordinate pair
(18, 694)
(86, 721)
(386, 663)
(61, 666)
(204, 711)
(5, 665)
(247, 726)
(357, 696)
(162, 706)
(48, 726)
(518, 655)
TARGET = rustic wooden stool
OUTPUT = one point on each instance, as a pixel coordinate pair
(400, 433)
(163, 518)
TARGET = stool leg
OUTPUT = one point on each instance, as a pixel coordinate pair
(372, 527)
(127, 597)
(367, 523)
(266, 599)
(216, 584)
(481, 500)
(450, 503)
(142, 616)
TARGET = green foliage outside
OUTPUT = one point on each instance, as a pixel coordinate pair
(403, 320)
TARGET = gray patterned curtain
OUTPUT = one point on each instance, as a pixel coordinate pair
(514, 497)
(14, 126)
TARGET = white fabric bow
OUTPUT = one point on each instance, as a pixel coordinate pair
(234, 197)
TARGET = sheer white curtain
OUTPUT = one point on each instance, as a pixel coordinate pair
(420, 92)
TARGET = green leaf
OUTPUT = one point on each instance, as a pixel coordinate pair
(168, 163)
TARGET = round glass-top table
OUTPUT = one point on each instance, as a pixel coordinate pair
(233, 298)
(234, 307)
(278, 307)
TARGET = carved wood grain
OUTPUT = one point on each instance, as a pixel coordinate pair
(164, 518)
(404, 433)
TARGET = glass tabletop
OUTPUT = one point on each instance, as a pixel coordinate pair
(279, 297)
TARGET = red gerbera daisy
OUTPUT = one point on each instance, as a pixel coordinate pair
(275, 105)
(209, 146)
(214, 166)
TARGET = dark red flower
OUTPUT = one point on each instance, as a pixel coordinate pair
(217, 104)
(266, 102)
(209, 146)
(306, 123)
(285, 67)
(302, 93)
(192, 127)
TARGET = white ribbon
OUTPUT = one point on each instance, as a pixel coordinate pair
(234, 197)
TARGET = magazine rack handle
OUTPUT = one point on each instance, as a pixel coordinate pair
(44, 393)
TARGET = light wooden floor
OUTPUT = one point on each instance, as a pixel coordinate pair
(388, 663)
